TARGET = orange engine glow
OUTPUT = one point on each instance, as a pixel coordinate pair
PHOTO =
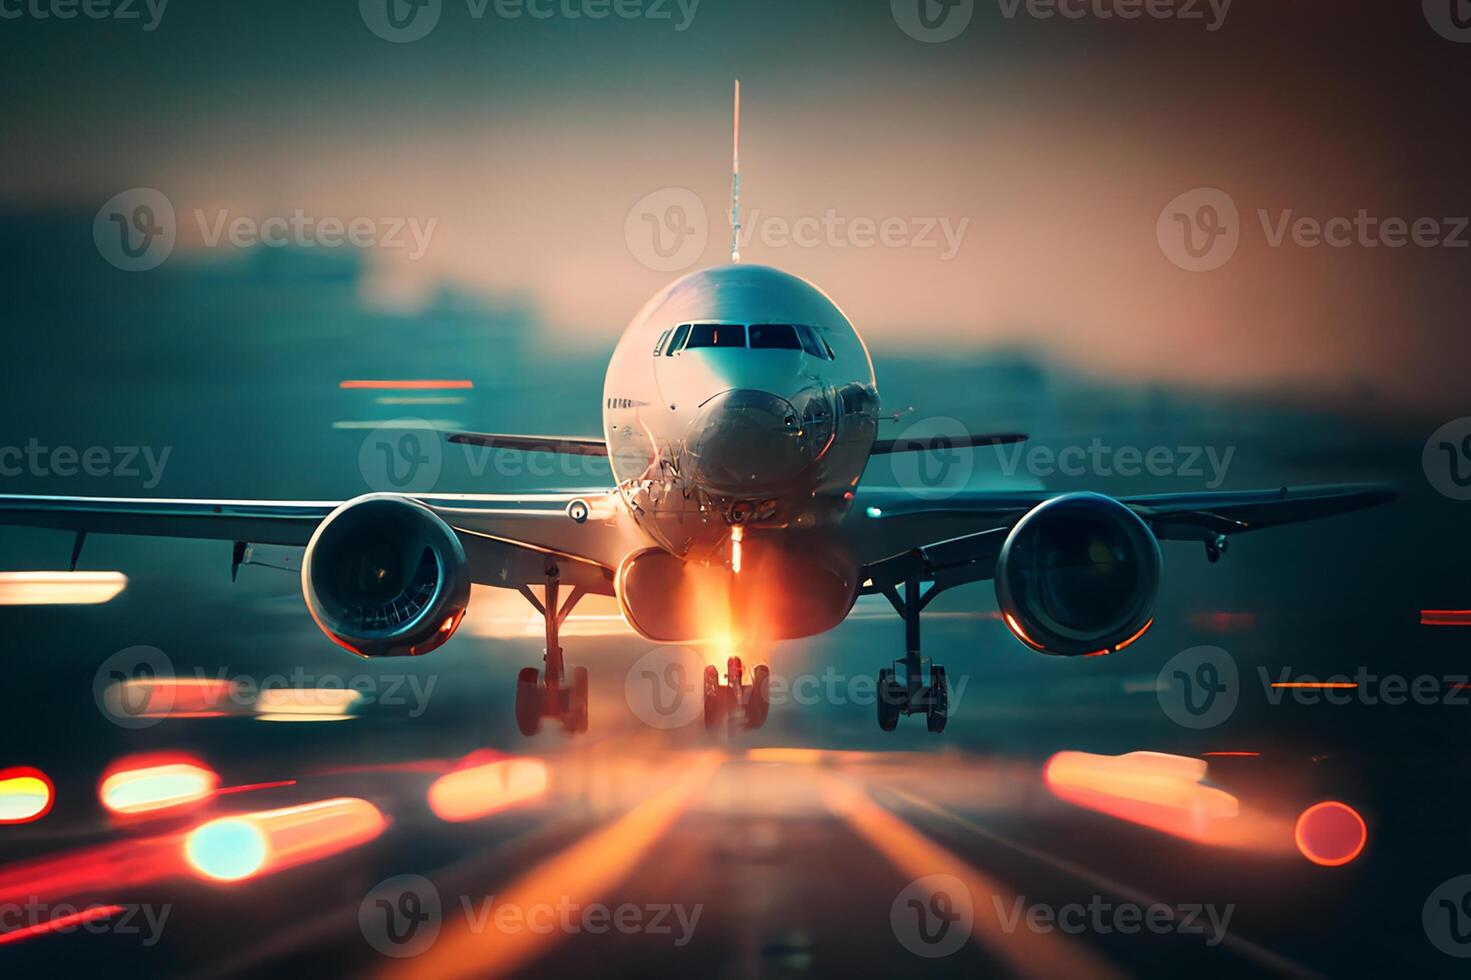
(26, 794)
(478, 789)
(252, 844)
(138, 786)
(1331, 834)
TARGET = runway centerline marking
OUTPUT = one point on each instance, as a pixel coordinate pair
(1244, 947)
(1027, 954)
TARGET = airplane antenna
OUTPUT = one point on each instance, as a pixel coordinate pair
(735, 179)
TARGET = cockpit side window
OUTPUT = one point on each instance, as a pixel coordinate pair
(717, 335)
(774, 336)
(659, 344)
(811, 344)
(680, 333)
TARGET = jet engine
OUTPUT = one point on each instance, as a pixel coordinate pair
(1077, 576)
(385, 577)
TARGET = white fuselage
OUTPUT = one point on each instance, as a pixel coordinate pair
(738, 396)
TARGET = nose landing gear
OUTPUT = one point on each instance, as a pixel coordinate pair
(552, 696)
(736, 703)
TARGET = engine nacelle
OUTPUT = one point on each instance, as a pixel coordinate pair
(1077, 576)
(385, 577)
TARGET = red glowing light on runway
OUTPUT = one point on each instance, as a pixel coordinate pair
(251, 844)
(252, 787)
(411, 384)
(478, 789)
(26, 795)
(1331, 833)
(89, 914)
(170, 697)
(1231, 755)
(1445, 617)
(136, 785)
(1223, 622)
(1317, 685)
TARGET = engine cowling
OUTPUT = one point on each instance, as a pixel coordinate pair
(1077, 576)
(385, 577)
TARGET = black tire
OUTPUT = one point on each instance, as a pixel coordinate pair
(937, 710)
(575, 721)
(714, 701)
(758, 705)
(890, 698)
(528, 701)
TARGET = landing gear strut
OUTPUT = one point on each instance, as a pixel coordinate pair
(912, 695)
(547, 694)
(735, 702)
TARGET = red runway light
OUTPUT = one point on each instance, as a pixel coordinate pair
(407, 384)
(88, 914)
(1331, 833)
(1445, 617)
(26, 795)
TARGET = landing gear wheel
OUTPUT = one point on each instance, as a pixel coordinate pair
(937, 710)
(575, 720)
(528, 700)
(714, 699)
(891, 699)
(758, 704)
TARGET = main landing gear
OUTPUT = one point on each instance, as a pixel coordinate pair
(736, 703)
(551, 696)
(912, 695)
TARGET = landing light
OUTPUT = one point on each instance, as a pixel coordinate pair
(874, 512)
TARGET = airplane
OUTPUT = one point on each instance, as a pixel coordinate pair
(740, 409)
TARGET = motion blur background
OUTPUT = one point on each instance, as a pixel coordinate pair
(528, 146)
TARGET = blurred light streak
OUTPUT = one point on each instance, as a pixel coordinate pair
(419, 400)
(580, 875)
(1223, 622)
(1445, 617)
(480, 788)
(60, 588)
(89, 914)
(407, 384)
(1316, 684)
(786, 755)
(130, 788)
(26, 795)
(171, 697)
(253, 787)
(1331, 834)
(1167, 793)
(251, 844)
(104, 868)
(1025, 952)
(391, 424)
(1232, 754)
(314, 703)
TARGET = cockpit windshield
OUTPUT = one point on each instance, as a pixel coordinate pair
(717, 335)
(774, 336)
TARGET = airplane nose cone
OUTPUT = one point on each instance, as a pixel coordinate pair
(746, 442)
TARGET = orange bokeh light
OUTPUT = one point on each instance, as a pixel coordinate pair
(1331, 834)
